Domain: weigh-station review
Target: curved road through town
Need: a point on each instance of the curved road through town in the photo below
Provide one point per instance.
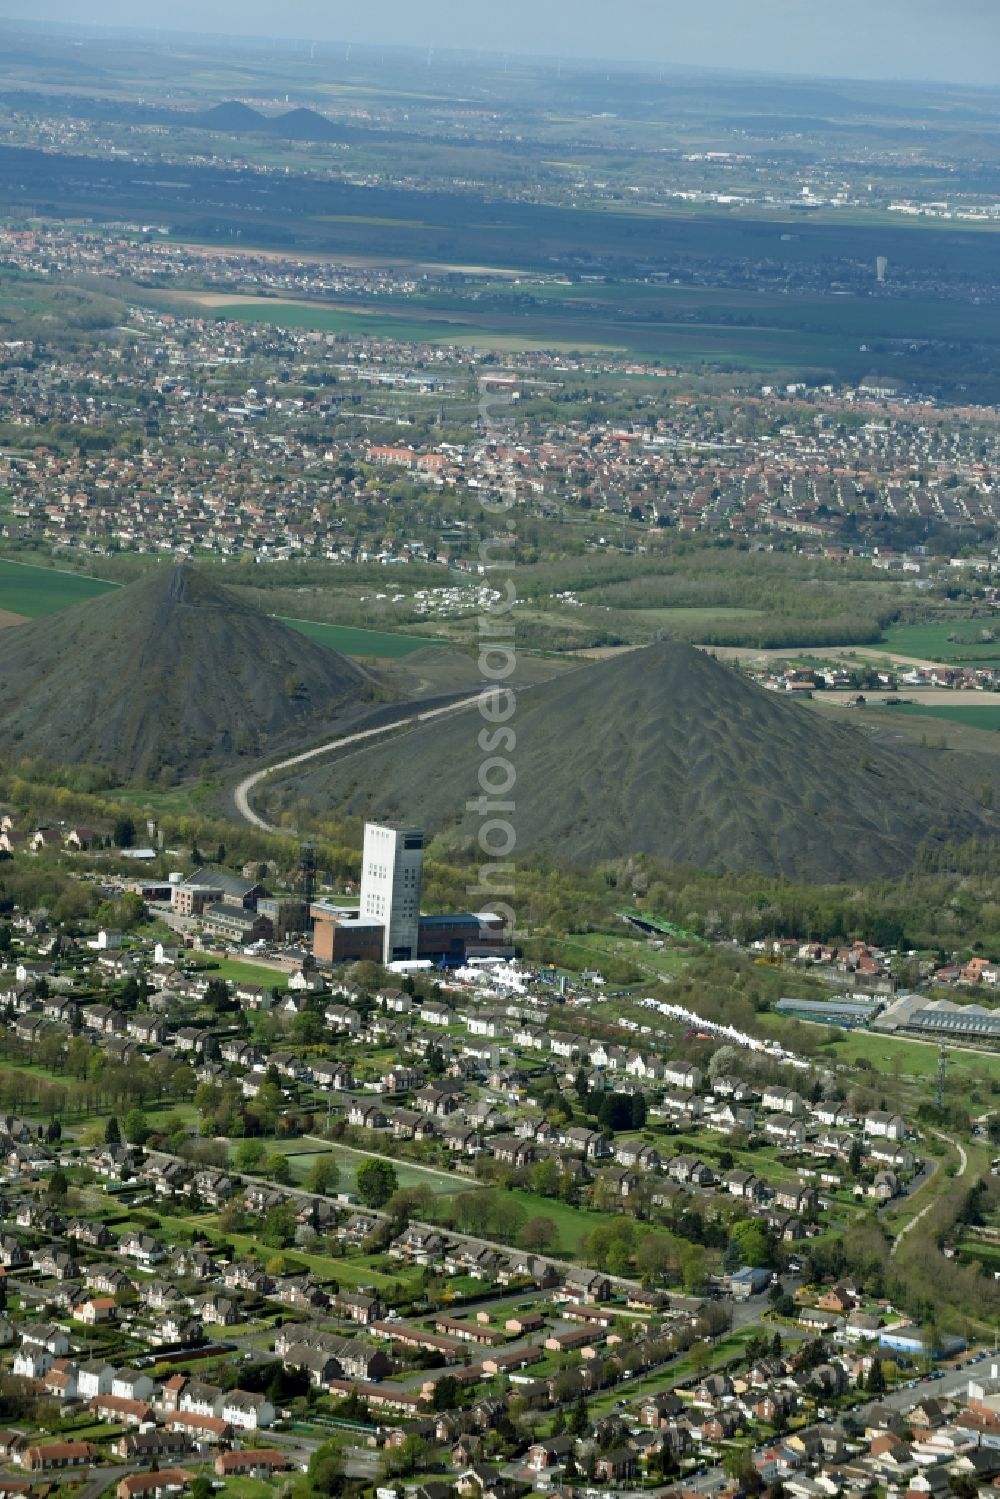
(963, 1162)
(241, 795)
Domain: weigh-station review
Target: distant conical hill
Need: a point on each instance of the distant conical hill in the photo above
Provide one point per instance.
(235, 118)
(667, 752)
(171, 672)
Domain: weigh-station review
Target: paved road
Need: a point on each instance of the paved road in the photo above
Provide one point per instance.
(241, 795)
(101, 1479)
(928, 1167)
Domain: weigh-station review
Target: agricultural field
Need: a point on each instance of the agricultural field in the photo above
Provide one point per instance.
(972, 715)
(376, 644)
(682, 325)
(34, 591)
(399, 323)
(956, 642)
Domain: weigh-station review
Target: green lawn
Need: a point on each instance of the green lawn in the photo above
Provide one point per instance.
(599, 949)
(30, 590)
(246, 973)
(326, 1267)
(675, 1374)
(250, 1488)
(409, 1173)
(982, 1250)
(574, 1224)
(382, 644)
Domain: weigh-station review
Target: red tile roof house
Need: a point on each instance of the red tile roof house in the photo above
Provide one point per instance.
(153, 1485)
(121, 1410)
(52, 1455)
(255, 1462)
(200, 1428)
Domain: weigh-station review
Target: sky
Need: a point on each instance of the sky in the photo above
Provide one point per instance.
(949, 40)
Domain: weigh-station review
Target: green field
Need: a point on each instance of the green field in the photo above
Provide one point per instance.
(931, 642)
(396, 325)
(567, 329)
(592, 949)
(26, 589)
(688, 619)
(679, 325)
(974, 715)
(381, 644)
(913, 1059)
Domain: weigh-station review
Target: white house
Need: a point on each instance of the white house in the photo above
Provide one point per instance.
(94, 1378)
(246, 1411)
(680, 1075)
(32, 1362)
(879, 1124)
(131, 1384)
(783, 1101)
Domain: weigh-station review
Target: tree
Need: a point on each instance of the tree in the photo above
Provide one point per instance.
(749, 1244)
(278, 1230)
(308, 1028)
(876, 1378)
(323, 1176)
(202, 1488)
(579, 1420)
(124, 833)
(726, 1059)
(545, 1178)
(376, 1182)
(402, 1462)
(539, 1234)
(326, 1469)
(693, 1269)
(112, 1133)
(615, 1111)
(277, 1168)
(218, 997)
(58, 1184)
(249, 1154)
(136, 1127)
(737, 1462)
(445, 1396)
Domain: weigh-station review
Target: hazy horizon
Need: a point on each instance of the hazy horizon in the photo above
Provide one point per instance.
(894, 40)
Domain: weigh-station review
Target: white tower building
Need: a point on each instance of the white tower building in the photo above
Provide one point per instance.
(391, 870)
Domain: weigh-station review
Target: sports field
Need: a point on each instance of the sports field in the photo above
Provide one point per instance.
(33, 591)
(303, 1154)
